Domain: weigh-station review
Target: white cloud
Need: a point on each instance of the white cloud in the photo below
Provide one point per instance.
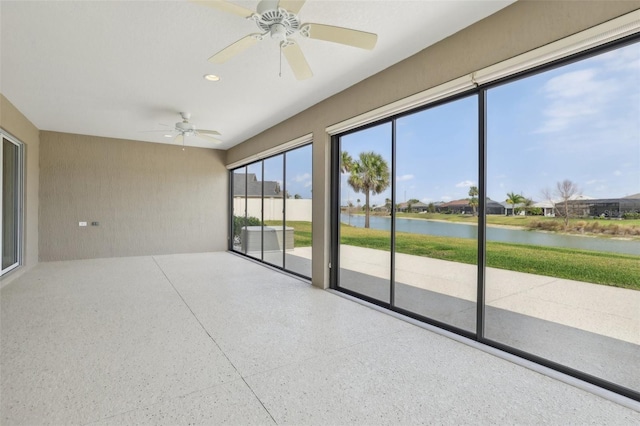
(575, 96)
(302, 178)
(446, 198)
(465, 184)
(617, 173)
(404, 178)
(594, 181)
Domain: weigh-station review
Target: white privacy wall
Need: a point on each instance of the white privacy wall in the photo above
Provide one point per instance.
(297, 210)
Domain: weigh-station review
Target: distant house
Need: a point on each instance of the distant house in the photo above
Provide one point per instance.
(418, 207)
(254, 187)
(605, 207)
(508, 208)
(548, 208)
(456, 207)
(463, 207)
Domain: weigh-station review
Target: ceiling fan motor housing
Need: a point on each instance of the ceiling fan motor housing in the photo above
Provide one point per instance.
(184, 127)
(278, 22)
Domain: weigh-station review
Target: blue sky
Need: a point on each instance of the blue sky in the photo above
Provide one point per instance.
(579, 122)
(298, 171)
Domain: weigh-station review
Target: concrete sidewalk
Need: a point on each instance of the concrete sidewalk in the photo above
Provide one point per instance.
(609, 311)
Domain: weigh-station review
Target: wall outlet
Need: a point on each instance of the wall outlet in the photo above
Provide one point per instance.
(82, 223)
(95, 223)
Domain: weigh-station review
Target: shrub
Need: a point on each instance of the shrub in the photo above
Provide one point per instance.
(240, 221)
(631, 215)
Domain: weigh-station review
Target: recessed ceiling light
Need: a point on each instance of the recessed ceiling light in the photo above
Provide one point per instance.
(211, 77)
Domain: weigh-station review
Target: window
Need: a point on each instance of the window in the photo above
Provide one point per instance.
(509, 213)
(271, 210)
(11, 203)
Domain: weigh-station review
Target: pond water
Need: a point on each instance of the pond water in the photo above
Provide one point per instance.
(517, 236)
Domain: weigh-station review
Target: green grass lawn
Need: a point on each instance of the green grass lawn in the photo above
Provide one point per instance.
(613, 269)
(618, 270)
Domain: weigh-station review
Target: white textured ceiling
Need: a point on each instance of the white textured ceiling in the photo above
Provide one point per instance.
(120, 68)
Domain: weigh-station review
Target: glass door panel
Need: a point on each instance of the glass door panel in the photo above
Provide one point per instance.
(252, 231)
(10, 204)
(436, 213)
(365, 231)
(298, 210)
(563, 155)
(239, 208)
(273, 209)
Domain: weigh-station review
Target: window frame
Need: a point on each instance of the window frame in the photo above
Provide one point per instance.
(435, 97)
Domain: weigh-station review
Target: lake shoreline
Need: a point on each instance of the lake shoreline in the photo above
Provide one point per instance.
(501, 233)
(518, 228)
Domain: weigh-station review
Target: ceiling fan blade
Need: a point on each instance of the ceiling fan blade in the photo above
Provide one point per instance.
(340, 35)
(234, 49)
(208, 138)
(209, 132)
(225, 7)
(297, 61)
(292, 6)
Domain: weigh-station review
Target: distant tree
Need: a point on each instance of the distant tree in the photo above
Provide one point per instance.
(513, 199)
(297, 196)
(387, 203)
(431, 208)
(369, 175)
(473, 201)
(563, 192)
(410, 204)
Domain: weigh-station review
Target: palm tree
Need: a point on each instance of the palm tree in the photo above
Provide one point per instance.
(369, 175)
(345, 162)
(473, 202)
(513, 199)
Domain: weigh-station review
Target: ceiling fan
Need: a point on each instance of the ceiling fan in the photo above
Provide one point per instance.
(280, 21)
(184, 128)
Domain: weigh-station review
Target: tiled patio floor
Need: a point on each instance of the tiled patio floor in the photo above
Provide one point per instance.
(213, 338)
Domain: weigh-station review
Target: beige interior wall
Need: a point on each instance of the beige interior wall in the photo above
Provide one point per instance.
(523, 26)
(16, 124)
(147, 198)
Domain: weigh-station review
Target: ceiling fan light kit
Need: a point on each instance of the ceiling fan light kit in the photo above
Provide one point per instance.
(279, 20)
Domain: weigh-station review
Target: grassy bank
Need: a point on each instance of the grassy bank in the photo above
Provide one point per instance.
(613, 269)
(623, 228)
(618, 270)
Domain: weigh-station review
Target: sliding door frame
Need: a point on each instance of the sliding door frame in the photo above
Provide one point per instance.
(480, 91)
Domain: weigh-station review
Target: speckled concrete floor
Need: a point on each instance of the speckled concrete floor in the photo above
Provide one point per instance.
(213, 338)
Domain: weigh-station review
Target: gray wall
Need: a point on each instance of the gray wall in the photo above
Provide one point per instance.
(516, 29)
(12, 121)
(148, 198)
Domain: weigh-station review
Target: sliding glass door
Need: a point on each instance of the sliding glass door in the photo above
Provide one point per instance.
(270, 210)
(11, 203)
(509, 214)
